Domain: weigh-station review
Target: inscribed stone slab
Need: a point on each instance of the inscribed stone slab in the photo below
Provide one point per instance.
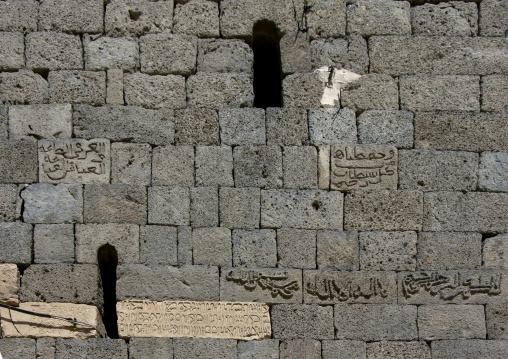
(9, 284)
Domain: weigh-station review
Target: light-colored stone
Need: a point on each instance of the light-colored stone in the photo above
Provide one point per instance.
(19, 15)
(12, 51)
(218, 90)
(493, 21)
(22, 88)
(337, 250)
(378, 17)
(16, 242)
(173, 165)
(53, 51)
(106, 53)
(197, 17)
(371, 92)
(9, 284)
(332, 126)
(76, 86)
(392, 128)
(396, 350)
(493, 171)
(154, 91)
(131, 163)
(388, 251)
(219, 55)
(454, 18)
(197, 126)
(324, 167)
(54, 243)
(212, 246)
(74, 16)
(495, 252)
(214, 166)
(169, 205)
(114, 87)
(494, 93)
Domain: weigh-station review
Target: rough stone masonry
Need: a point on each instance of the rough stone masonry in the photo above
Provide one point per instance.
(134, 166)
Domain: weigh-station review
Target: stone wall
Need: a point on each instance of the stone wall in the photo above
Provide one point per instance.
(376, 229)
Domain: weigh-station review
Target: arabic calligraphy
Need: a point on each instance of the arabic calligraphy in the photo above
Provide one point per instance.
(328, 289)
(274, 283)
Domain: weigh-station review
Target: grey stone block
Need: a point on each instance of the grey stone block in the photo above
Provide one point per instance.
(295, 53)
(77, 87)
(45, 348)
(204, 348)
(493, 21)
(204, 210)
(493, 172)
(131, 163)
(53, 51)
(258, 166)
(158, 245)
(137, 281)
(18, 161)
(332, 126)
(48, 203)
(242, 126)
(150, 348)
(455, 18)
(184, 245)
(303, 90)
(437, 322)
(218, 55)
(239, 207)
(379, 18)
(384, 210)
(371, 92)
(165, 53)
(19, 15)
(173, 165)
(169, 205)
(197, 17)
(12, 51)
(197, 126)
(254, 248)
(217, 90)
(212, 246)
(8, 202)
(302, 321)
(388, 251)
(455, 349)
(375, 322)
(23, 87)
(114, 87)
(115, 203)
(262, 349)
(111, 53)
(393, 128)
(327, 19)
(154, 91)
(72, 16)
(472, 211)
(344, 349)
(494, 93)
(214, 166)
(300, 167)
(286, 126)
(394, 350)
(497, 321)
(338, 250)
(99, 348)
(16, 243)
(4, 127)
(300, 349)
(495, 252)
(124, 123)
(128, 17)
(91, 237)
(54, 243)
(73, 283)
(40, 121)
(449, 250)
(19, 348)
(296, 248)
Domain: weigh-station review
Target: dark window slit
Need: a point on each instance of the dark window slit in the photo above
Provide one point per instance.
(107, 258)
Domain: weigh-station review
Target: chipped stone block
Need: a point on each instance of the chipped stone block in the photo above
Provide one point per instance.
(300, 167)
(45, 348)
(453, 18)
(115, 203)
(217, 90)
(212, 246)
(379, 18)
(12, 51)
(19, 348)
(266, 349)
(371, 92)
(54, 243)
(493, 21)
(239, 207)
(19, 325)
(497, 321)
(169, 205)
(74, 16)
(40, 121)
(258, 166)
(455, 349)
(394, 350)
(332, 126)
(135, 18)
(449, 250)
(99, 348)
(197, 17)
(91, 237)
(493, 172)
(342, 349)
(16, 243)
(219, 55)
(111, 53)
(23, 88)
(295, 53)
(148, 348)
(158, 245)
(53, 51)
(254, 248)
(77, 87)
(300, 349)
(204, 348)
(18, 161)
(204, 210)
(166, 53)
(494, 93)
(131, 163)
(16, 15)
(154, 91)
(242, 126)
(173, 165)
(392, 128)
(114, 87)
(303, 90)
(495, 252)
(214, 166)
(337, 250)
(302, 321)
(8, 202)
(286, 126)
(162, 282)
(388, 250)
(184, 245)
(9, 284)
(296, 248)
(327, 19)
(197, 126)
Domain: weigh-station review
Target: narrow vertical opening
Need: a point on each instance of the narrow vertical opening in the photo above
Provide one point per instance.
(267, 65)
(108, 261)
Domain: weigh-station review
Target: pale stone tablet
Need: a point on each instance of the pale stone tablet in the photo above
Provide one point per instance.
(9, 284)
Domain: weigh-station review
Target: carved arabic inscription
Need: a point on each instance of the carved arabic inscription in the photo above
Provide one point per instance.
(277, 283)
(179, 319)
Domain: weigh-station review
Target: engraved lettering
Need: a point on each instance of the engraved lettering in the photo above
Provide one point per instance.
(274, 283)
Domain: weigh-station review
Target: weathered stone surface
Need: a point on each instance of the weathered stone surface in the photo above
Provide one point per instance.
(453, 18)
(495, 252)
(324, 167)
(384, 210)
(162, 282)
(394, 350)
(165, 53)
(295, 53)
(150, 348)
(337, 250)
(158, 245)
(173, 165)
(268, 285)
(449, 250)
(168, 205)
(493, 21)
(154, 91)
(332, 126)
(218, 55)
(472, 211)
(371, 92)
(197, 17)
(8, 202)
(184, 245)
(4, 118)
(77, 87)
(217, 90)
(301, 321)
(300, 167)
(197, 126)
(75, 16)
(286, 126)
(18, 161)
(9, 284)
(131, 163)
(214, 166)
(114, 87)
(303, 90)
(53, 51)
(54, 243)
(91, 348)
(128, 17)
(18, 15)
(72, 283)
(497, 321)
(111, 53)
(494, 93)
(16, 242)
(204, 348)
(12, 51)
(493, 171)
(437, 322)
(305, 209)
(21, 325)
(242, 126)
(266, 349)
(300, 349)
(258, 166)
(388, 251)
(23, 87)
(455, 349)
(296, 248)
(19, 348)
(254, 248)
(224, 320)
(212, 246)
(239, 207)
(392, 128)
(342, 349)
(204, 210)
(45, 348)
(70, 160)
(326, 19)
(378, 18)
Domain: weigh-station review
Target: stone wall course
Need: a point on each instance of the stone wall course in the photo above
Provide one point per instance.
(40, 121)
(493, 20)
(342, 349)
(12, 51)
(286, 126)
(197, 17)
(385, 127)
(18, 161)
(72, 16)
(4, 122)
(493, 171)
(371, 92)
(338, 250)
(150, 348)
(100, 348)
(455, 349)
(131, 163)
(296, 248)
(169, 205)
(212, 246)
(267, 349)
(204, 348)
(242, 126)
(303, 90)
(259, 166)
(53, 51)
(239, 207)
(300, 349)
(494, 93)
(495, 252)
(77, 87)
(23, 87)
(332, 126)
(393, 350)
(16, 241)
(105, 53)
(19, 348)
(378, 18)
(197, 126)
(302, 321)
(9, 284)
(295, 53)
(54, 243)
(154, 91)
(220, 55)
(19, 15)
(204, 210)
(388, 250)
(254, 248)
(173, 166)
(454, 18)
(8, 202)
(158, 245)
(300, 167)
(497, 321)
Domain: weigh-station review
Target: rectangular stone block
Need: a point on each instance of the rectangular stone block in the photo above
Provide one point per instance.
(19, 15)
(301, 321)
(220, 55)
(305, 209)
(8, 203)
(392, 350)
(185, 245)
(391, 128)
(198, 17)
(212, 246)
(73, 160)
(214, 166)
(169, 205)
(162, 282)
(338, 250)
(98, 348)
(453, 287)
(268, 349)
(4, 118)
(239, 207)
(497, 321)
(324, 167)
(258, 166)
(204, 347)
(19, 348)
(455, 18)
(77, 87)
(326, 19)
(495, 93)
(303, 90)
(223, 320)
(16, 242)
(114, 87)
(455, 349)
(217, 90)
(296, 248)
(18, 161)
(54, 243)
(269, 285)
(342, 349)
(12, 51)
(300, 349)
(23, 88)
(388, 251)
(106, 53)
(383, 210)
(9, 284)
(144, 348)
(371, 92)
(495, 253)
(197, 126)
(332, 126)
(46, 348)
(74, 16)
(242, 126)
(19, 325)
(204, 210)
(40, 121)
(364, 167)
(158, 245)
(53, 51)
(154, 91)
(295, 53)
(131, 163)
(493, 21)
(378, 18)
(331, 287)
(254, 248)
(173, 166)
(286, 126)
(300, 167)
